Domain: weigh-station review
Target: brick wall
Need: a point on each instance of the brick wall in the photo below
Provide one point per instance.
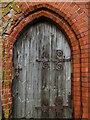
(72, 19)
(89, 54)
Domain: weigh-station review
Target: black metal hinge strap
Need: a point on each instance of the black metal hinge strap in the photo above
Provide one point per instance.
(54, 60)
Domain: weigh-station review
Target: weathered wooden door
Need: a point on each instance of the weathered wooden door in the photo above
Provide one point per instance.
(41, 86)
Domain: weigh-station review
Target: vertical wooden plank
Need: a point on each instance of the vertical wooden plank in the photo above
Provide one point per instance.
(16, 84)
(29, 89)
(39, 65)
(20, 88)
(21, 78)
(17, 78)
(68, 77)
(35, 80)
(34, 72)
(53, 88)
(45, 72)
(24, 75)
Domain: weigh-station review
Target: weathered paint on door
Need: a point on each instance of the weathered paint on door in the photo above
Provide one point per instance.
(41, 86)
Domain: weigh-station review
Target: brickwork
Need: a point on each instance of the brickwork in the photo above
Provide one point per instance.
(89, 54)
(72, 19)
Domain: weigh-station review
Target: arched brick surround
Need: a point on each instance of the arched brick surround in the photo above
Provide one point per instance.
(77, 38)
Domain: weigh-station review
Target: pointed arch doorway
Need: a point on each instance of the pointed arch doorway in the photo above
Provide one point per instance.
(41, 87)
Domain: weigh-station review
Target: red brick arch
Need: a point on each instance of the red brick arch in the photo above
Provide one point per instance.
(68, 31)
(71, 31)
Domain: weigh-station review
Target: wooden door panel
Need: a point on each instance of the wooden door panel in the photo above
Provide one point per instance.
(38, 83)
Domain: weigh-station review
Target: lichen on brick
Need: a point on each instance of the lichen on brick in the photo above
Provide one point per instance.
(4, 77)
(9, 13)
(15, 7)
(5, 11)
(6, 113)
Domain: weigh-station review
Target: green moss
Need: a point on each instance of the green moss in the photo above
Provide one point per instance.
(0, 5)
(4, 76)
(6, 113)
(7, 3)
(18, 6)
(4, 101)
(3, 58)
(3, 29)
(11, 19)
(13, 5)
(5, 11)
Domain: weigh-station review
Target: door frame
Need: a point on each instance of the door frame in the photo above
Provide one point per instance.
(58, 19)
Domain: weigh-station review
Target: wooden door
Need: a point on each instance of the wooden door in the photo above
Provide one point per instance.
(41, 86)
